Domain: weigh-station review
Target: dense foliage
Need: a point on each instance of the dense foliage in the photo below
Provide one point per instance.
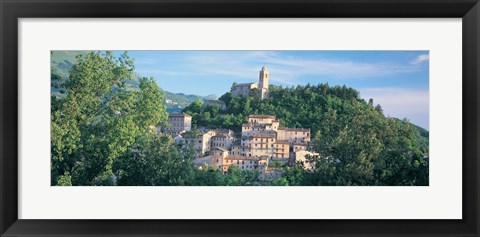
(99, 120)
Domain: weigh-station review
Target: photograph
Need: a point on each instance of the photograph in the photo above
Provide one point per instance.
(239, 118)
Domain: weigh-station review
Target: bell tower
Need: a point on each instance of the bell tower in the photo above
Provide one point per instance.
(263, 85)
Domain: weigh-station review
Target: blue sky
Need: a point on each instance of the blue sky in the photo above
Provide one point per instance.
(397, 80)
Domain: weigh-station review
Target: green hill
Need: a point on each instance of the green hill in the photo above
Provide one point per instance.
(357, 144)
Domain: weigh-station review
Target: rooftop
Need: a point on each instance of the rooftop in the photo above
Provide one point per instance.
(231, 157)
(261, 135)
(219, 136)
(179, 115)
(219, 148)
(239, 157)
(296, 129)
(261, 116)
(223, 130)
(245, 84)
(257, 125)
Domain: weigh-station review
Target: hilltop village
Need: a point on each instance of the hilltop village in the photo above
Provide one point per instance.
(262, 144)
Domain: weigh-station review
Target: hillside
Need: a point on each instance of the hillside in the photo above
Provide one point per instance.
(63, 61)
(357, 144)
(322, 108)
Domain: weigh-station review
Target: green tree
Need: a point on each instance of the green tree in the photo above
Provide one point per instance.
(156, 161)
(99, 119)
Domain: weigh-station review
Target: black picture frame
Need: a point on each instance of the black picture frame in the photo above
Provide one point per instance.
(12, 10)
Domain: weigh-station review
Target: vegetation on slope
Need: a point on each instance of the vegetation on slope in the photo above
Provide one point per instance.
(357, 144)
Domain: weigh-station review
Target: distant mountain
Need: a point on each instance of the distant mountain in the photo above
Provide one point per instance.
(179, 100)
(211, 97)
(63, 61)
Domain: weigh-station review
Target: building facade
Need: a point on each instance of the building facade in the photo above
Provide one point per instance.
(201, 141)
(294, 135)
(261, 141)
(244, 89)
(178, 123)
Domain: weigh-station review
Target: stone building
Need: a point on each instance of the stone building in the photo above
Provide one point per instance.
(244, 89)
(294, 135)
(223, 141)
(263, 85)
(281, 150)
(221, 159)
(178, 123)
(201, 141)
(260, 124)
(262, 141)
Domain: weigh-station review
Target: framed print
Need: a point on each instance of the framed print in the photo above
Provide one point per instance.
(319, 118)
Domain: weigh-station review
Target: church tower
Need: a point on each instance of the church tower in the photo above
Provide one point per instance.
(263, 85)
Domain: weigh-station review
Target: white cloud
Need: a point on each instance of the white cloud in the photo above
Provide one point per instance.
(420, 59)
(412, 104)
(245, 65)
(156, 72)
